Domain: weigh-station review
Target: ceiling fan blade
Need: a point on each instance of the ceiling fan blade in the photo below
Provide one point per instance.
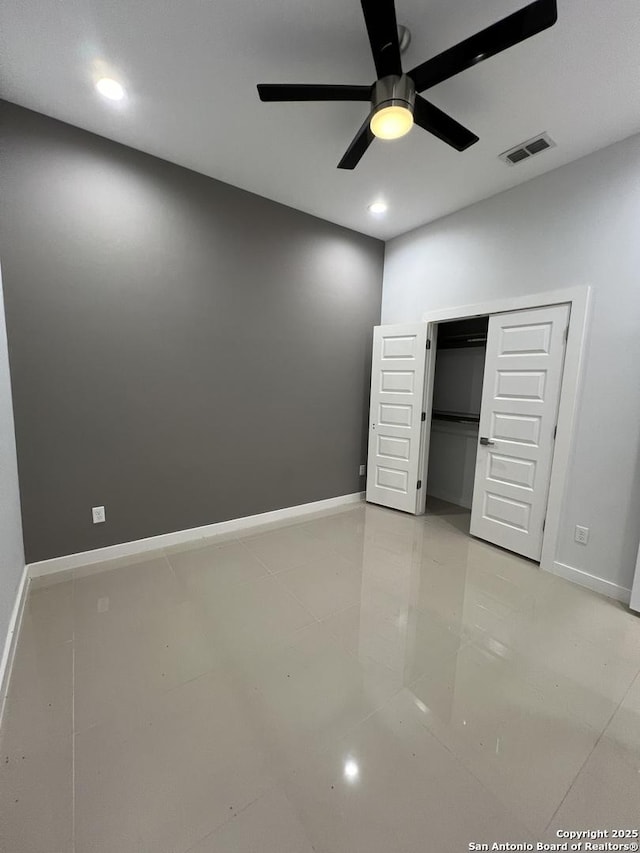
(382, 28)
(361, 141)
(511, 30)
(433, 120)
(312, 92)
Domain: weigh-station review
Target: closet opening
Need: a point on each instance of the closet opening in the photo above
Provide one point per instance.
(493, 433)
(460, 353)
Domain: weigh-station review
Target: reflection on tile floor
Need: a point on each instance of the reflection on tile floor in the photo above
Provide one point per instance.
(359, 681)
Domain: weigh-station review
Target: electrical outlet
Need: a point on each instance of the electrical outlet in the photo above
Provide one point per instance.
(97, 512)
(363, 470)
(582, 534)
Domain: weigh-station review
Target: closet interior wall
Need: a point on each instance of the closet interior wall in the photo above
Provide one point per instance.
(457, 394)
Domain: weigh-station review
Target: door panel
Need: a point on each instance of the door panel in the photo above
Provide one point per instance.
(395, 424)
(520, 396)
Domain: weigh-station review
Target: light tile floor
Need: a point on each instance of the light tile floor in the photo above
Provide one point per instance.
(361, 681)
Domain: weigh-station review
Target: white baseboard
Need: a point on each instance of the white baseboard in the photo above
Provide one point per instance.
(9, 649)
(605, 587)
(165, 540)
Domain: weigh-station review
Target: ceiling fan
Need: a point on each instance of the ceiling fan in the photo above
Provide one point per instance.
(395, 104)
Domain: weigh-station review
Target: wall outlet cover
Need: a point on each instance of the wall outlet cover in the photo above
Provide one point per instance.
(98, 514)
(582, 534)
(363, 470)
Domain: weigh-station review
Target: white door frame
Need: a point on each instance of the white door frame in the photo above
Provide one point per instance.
(580, 300)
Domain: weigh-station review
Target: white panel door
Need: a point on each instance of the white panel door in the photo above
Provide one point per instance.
(396, 434)
(520, 396)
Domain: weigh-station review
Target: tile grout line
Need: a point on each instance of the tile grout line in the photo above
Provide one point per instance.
(244, 545)
(258, 559)
(269, 574)
(317, 619)
(232, 818)
(274, 575)
(296, 599)
(593, 749)
(171, 569)
(280, 571)
(462, 763)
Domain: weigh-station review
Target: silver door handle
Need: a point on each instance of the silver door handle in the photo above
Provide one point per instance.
(485, 441)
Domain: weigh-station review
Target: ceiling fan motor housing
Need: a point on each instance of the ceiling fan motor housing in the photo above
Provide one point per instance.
(394, 91)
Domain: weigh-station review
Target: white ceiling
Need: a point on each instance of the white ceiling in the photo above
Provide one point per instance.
(191, 68)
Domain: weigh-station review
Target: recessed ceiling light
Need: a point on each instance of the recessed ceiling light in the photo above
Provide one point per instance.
(377, 208)
(351, 770)
(110, 88)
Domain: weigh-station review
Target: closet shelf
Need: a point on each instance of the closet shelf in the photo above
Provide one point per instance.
(463, 341)
(471, 332)
(457, 417)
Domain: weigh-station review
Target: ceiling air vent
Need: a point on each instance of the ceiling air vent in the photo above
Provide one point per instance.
(527, 149)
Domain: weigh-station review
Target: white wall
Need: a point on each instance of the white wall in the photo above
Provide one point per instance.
(11, 549)
(577, 225)
(457, 387)
(453, 448)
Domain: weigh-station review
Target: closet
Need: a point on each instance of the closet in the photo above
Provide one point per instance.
(457, 395)
(466, 410)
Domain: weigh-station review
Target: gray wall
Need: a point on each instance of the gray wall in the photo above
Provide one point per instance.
(577, 225)
(181, 351)
(11, 550)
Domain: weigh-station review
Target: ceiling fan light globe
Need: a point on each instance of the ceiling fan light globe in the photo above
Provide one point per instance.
(391, 122)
